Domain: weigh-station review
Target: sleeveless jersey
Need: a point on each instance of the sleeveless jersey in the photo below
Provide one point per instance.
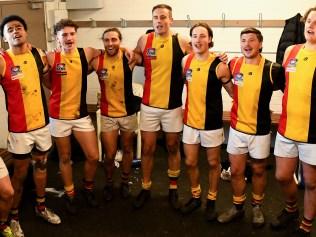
(253, 87)
(25, 98)
(69, 86)
(204, 105)
(115, 78)
(298, 116)
(163, 74)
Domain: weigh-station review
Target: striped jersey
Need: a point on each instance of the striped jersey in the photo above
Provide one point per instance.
(163, 74)
(69, 85)
(115, 78)
(203, 105)
(253, 87)
(298, 116)
(21, 83)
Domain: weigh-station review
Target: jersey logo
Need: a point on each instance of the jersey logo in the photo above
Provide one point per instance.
(151, 53)
(188, 75)
(239, 79)
(103, 74)
(61, 69)
(291, 67)
(16, 73)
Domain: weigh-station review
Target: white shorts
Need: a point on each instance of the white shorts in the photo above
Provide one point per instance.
(128, 123)
(23, 143)
(3, 169)
(207, 138)
(151, 118)
(291, 149)
(258, 146)
(64, 128)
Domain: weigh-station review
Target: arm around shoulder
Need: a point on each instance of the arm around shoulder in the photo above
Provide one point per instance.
(91, 53)
(185, 44)
(224, 75)
(138, 51)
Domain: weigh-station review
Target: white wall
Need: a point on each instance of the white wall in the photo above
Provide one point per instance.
(226, 39)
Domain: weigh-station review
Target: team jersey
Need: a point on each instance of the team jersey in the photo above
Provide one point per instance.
(115, 78)
(253, 87)
(69, 85)
(163, 74)
(298, 116)
(21, 83)
(203, 105)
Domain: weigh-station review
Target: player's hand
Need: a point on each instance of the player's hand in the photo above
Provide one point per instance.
(223, 57)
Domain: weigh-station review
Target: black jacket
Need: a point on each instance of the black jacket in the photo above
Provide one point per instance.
(293, 33)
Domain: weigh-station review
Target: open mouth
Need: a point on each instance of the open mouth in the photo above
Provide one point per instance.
(198, 46)
(69, 44)
(247, 50)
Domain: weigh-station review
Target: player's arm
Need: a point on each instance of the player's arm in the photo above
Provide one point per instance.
(185, 44)
(138, 51)
(278, 77)
(223, 57)
(2, 68)
(184, 91)
(223, 74)
(45, 77)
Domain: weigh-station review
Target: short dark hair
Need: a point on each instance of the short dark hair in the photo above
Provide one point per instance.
(12, 18)
(113, 29)
(64, 23)
(253, 30)
(307, 13)
(162, 6)
(207, 27)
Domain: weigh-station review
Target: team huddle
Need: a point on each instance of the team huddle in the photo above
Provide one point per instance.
(174, 65)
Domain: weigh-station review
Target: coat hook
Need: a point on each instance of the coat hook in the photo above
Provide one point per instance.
(123, 23)
(189, 24)
(259, 23)
(223, 20)
(93, 23)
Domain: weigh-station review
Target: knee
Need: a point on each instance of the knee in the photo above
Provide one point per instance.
(7, 193)
(65, 159)
(214, 164)
(109, 159)
(191, 163)
(260, 172)
(41, 165)
(236, 171)
(127, 150)
(283, 178)
(310, 184)
(109, 155)
(148, 150)
(20, 174)
(173, 147)
(93, 157)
